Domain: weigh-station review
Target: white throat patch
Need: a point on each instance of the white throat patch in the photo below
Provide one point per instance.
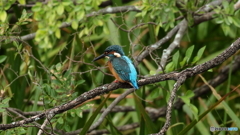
(117, 54)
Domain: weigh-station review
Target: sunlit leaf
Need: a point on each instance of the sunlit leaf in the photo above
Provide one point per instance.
(23, 2)
(60, 9)
(3, 16)
(37, 7)
(74, 24)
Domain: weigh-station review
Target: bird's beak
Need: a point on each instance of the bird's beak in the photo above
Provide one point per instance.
(99, 57)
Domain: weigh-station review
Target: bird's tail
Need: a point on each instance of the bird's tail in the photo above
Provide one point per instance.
(134, 84)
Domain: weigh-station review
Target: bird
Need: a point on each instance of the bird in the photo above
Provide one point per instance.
(120, 65)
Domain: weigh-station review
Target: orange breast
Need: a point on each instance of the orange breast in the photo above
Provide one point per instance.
(114, 72)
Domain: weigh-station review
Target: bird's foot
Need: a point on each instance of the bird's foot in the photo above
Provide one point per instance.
(116, 81)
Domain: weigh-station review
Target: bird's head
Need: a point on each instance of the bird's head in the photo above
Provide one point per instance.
(111, 52)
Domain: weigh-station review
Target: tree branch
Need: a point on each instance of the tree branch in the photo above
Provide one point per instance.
(113, 86)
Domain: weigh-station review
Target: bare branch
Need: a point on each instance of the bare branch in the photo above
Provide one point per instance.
(156, 45)
(176, 43)
(210, 6)
(47, 120)
(237, 5)
(170, 104)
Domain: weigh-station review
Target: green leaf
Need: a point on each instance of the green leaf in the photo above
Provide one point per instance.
(67, 128)
(199, 54)
(67, 73)
(157, 28)
(170, 67)
(99, 23)
(191, 110)
(210, 70)
(186, 98)
(79, 112)
(230, 19)
(74, 24)
(59, 67)
(226, 5)
(37, 7)
(189, 53)
(72, 113)
(2, 110)
(175, 59)
(182, 63)
(40, 34)
(23, 2)
(60, 120)
(6, 100)
(60, 90)
(236, 21)
(152, 72)
(99, 30)
(3, 16)
(24, 14)
(190, 19)
(21, 131)
(194, 111)
(80, 15)
(58, 33)
(2, 58)
(218, 20)
(7, 4)
(80, 82)
(66, 2)
(189, 94)
(60, 9)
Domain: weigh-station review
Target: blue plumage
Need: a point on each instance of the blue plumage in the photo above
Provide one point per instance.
(120, 65)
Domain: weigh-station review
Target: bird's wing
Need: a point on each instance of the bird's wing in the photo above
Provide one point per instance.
(121, 66)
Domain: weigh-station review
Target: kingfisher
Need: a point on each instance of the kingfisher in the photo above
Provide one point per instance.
(120, 65)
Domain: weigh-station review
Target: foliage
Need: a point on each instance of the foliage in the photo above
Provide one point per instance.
(56, 66)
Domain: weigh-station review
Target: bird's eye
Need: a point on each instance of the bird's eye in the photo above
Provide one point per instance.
(105, 52)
